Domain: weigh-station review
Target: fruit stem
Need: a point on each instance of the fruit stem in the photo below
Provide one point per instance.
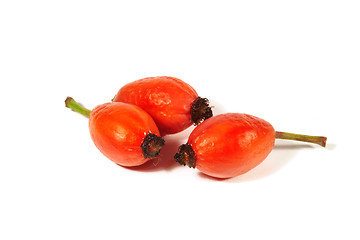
(303, 138)
(75, 106)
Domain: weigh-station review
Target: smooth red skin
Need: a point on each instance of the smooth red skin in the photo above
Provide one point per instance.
(118, 130)
(231, 144)
(167, 99)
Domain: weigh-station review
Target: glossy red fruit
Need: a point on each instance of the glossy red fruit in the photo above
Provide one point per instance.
(124, 133)
(173, 104)
(228, 145)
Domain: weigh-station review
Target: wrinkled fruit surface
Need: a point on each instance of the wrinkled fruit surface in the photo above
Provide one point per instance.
(167, 99)
(231, 144)
(119, 130)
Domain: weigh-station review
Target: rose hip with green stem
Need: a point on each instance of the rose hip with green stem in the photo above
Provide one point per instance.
(124, 133)
(231, 144)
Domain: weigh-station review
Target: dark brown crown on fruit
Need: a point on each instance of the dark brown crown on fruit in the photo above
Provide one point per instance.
(186, 156)
(200, 110)
(152, 145)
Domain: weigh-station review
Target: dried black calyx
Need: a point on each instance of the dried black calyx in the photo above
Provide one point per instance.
(186, 156)
(200, 110)
(152, 145)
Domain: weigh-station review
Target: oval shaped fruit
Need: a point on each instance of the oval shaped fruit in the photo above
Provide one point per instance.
(124, 133)
(227, 145)
(173, 104)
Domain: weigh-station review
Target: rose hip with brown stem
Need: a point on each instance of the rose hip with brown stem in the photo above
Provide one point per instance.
(231, 144)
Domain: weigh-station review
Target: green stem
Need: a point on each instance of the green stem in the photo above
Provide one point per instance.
(303, 138)
(75, 106)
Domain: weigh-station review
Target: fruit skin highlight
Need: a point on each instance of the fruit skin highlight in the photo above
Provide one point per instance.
(124, 133)
(173, 104)
(231, 144)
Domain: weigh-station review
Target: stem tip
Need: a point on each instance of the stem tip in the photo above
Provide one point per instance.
(77, 107)
(320, 140)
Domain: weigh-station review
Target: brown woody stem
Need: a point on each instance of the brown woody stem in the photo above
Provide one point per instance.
(303, 138)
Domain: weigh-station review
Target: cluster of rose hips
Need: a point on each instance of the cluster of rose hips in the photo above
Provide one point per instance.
(129, 129)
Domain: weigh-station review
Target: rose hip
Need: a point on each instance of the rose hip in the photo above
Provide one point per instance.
(173, 104)
(124, 133)
(231, 144)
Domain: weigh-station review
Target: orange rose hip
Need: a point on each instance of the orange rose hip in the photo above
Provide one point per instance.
(232, 144)
(124, 133)
(173, 104)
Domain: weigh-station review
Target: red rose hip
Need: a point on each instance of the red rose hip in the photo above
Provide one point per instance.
(173, 104)
(231, 144)
(124, 133)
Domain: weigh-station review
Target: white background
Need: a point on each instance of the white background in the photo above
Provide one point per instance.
(293, 63)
